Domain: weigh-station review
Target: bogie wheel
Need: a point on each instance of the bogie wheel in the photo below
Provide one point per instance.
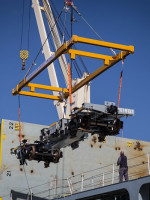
(57, 155)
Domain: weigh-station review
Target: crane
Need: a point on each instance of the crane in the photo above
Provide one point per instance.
(81, 116)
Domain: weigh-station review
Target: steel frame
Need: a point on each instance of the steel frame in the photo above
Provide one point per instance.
(33, 86)
(109, 61)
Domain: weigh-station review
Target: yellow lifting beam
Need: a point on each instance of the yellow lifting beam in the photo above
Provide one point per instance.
(32, 93)
(39, 95)
(103, 43)
(109, 61)
(107, 65)
(32, 87)
(74, 52)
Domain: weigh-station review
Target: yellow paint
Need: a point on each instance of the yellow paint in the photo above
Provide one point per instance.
(1, 142)
(100, 70)
(129, 144)
(15, 148)
(103, 44)
(0, 198)
(104, 140)
(39, 95)
(74, 52)
(24, 54)
(65, 48)
(46, 87)
(32, 92)
(16, 126)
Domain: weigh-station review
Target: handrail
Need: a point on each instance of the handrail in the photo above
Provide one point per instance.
(90, 180)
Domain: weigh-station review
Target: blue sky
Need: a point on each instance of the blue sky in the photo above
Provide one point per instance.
(125, 22)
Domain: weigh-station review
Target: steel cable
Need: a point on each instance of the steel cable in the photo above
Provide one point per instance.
(20, 145)
(56, 40)
(68, 36)
(113, 52)
(29, 25)
(33, 63)
(22, 25)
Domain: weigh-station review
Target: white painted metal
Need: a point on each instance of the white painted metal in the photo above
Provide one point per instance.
(54, 187)
(11, 197)
(113, 173)
(82, 95)
(92, 182)
(148, 163)
(82, 181)
(47, 53)
(69, 185)
(103, 179)
(31, 193)
(56, 38)
(89, 156)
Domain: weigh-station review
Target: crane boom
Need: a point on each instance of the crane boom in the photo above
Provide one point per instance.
(56, 38)
(47, 53)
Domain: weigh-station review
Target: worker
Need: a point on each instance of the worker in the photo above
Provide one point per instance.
(123, 167)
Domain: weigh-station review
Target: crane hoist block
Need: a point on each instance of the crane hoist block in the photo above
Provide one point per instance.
(24, 54)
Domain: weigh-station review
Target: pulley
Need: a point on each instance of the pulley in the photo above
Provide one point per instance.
(68, 2)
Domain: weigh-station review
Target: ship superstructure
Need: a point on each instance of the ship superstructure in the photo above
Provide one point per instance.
(92, 165)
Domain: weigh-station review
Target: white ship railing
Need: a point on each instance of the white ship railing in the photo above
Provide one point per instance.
(95, 178)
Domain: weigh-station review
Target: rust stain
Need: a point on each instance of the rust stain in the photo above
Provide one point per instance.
(141, 174)
(22, 135)
(13, 141)
(32, 171)
(72, 173)
(138, 146)
(100, 146)
(21, 169)
(117, 148)
(139, 161)
(91, 145)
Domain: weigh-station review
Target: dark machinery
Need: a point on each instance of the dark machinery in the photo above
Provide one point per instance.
(102, 120)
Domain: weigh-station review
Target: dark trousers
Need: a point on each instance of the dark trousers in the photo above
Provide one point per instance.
(123, 172)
